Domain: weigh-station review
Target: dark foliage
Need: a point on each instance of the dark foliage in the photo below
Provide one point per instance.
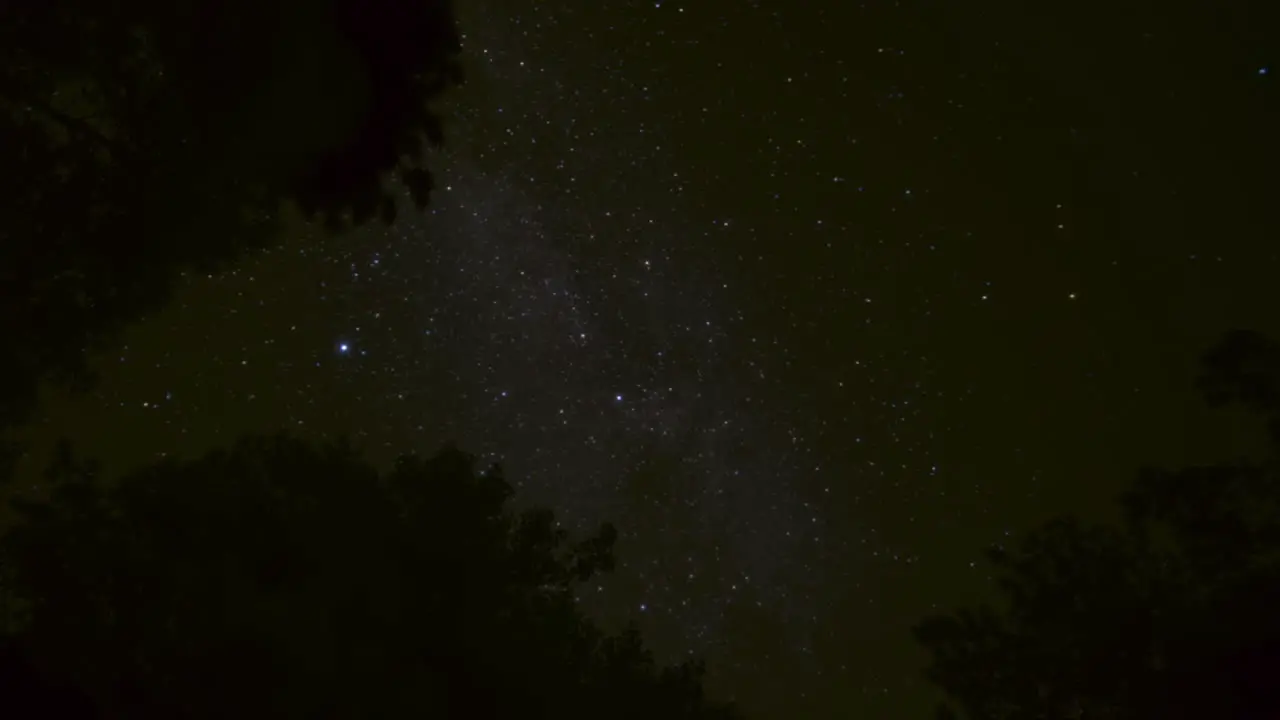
(1244, 368)
(28, 693)
(1171, 615)
(280, 579)
(143, 138)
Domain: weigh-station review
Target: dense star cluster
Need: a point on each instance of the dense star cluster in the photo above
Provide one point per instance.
(814, 302)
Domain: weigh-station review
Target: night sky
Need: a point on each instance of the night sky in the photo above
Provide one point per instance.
(813, 299)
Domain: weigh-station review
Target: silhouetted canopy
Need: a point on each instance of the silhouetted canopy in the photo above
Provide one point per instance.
(1171, 615)
(281, 579)
(145, 137)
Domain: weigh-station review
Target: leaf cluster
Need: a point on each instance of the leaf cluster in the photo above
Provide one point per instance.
(145, 139)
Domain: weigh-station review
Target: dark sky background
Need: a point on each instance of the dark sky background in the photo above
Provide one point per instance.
(813, 299)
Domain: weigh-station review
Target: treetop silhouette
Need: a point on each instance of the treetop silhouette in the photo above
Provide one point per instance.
(298, 581)
(1169, 615)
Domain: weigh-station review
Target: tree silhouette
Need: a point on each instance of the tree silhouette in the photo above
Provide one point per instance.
(148, 137)
(1170, 615)
(283, 579)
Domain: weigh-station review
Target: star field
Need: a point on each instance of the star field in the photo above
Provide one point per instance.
(813, 301)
